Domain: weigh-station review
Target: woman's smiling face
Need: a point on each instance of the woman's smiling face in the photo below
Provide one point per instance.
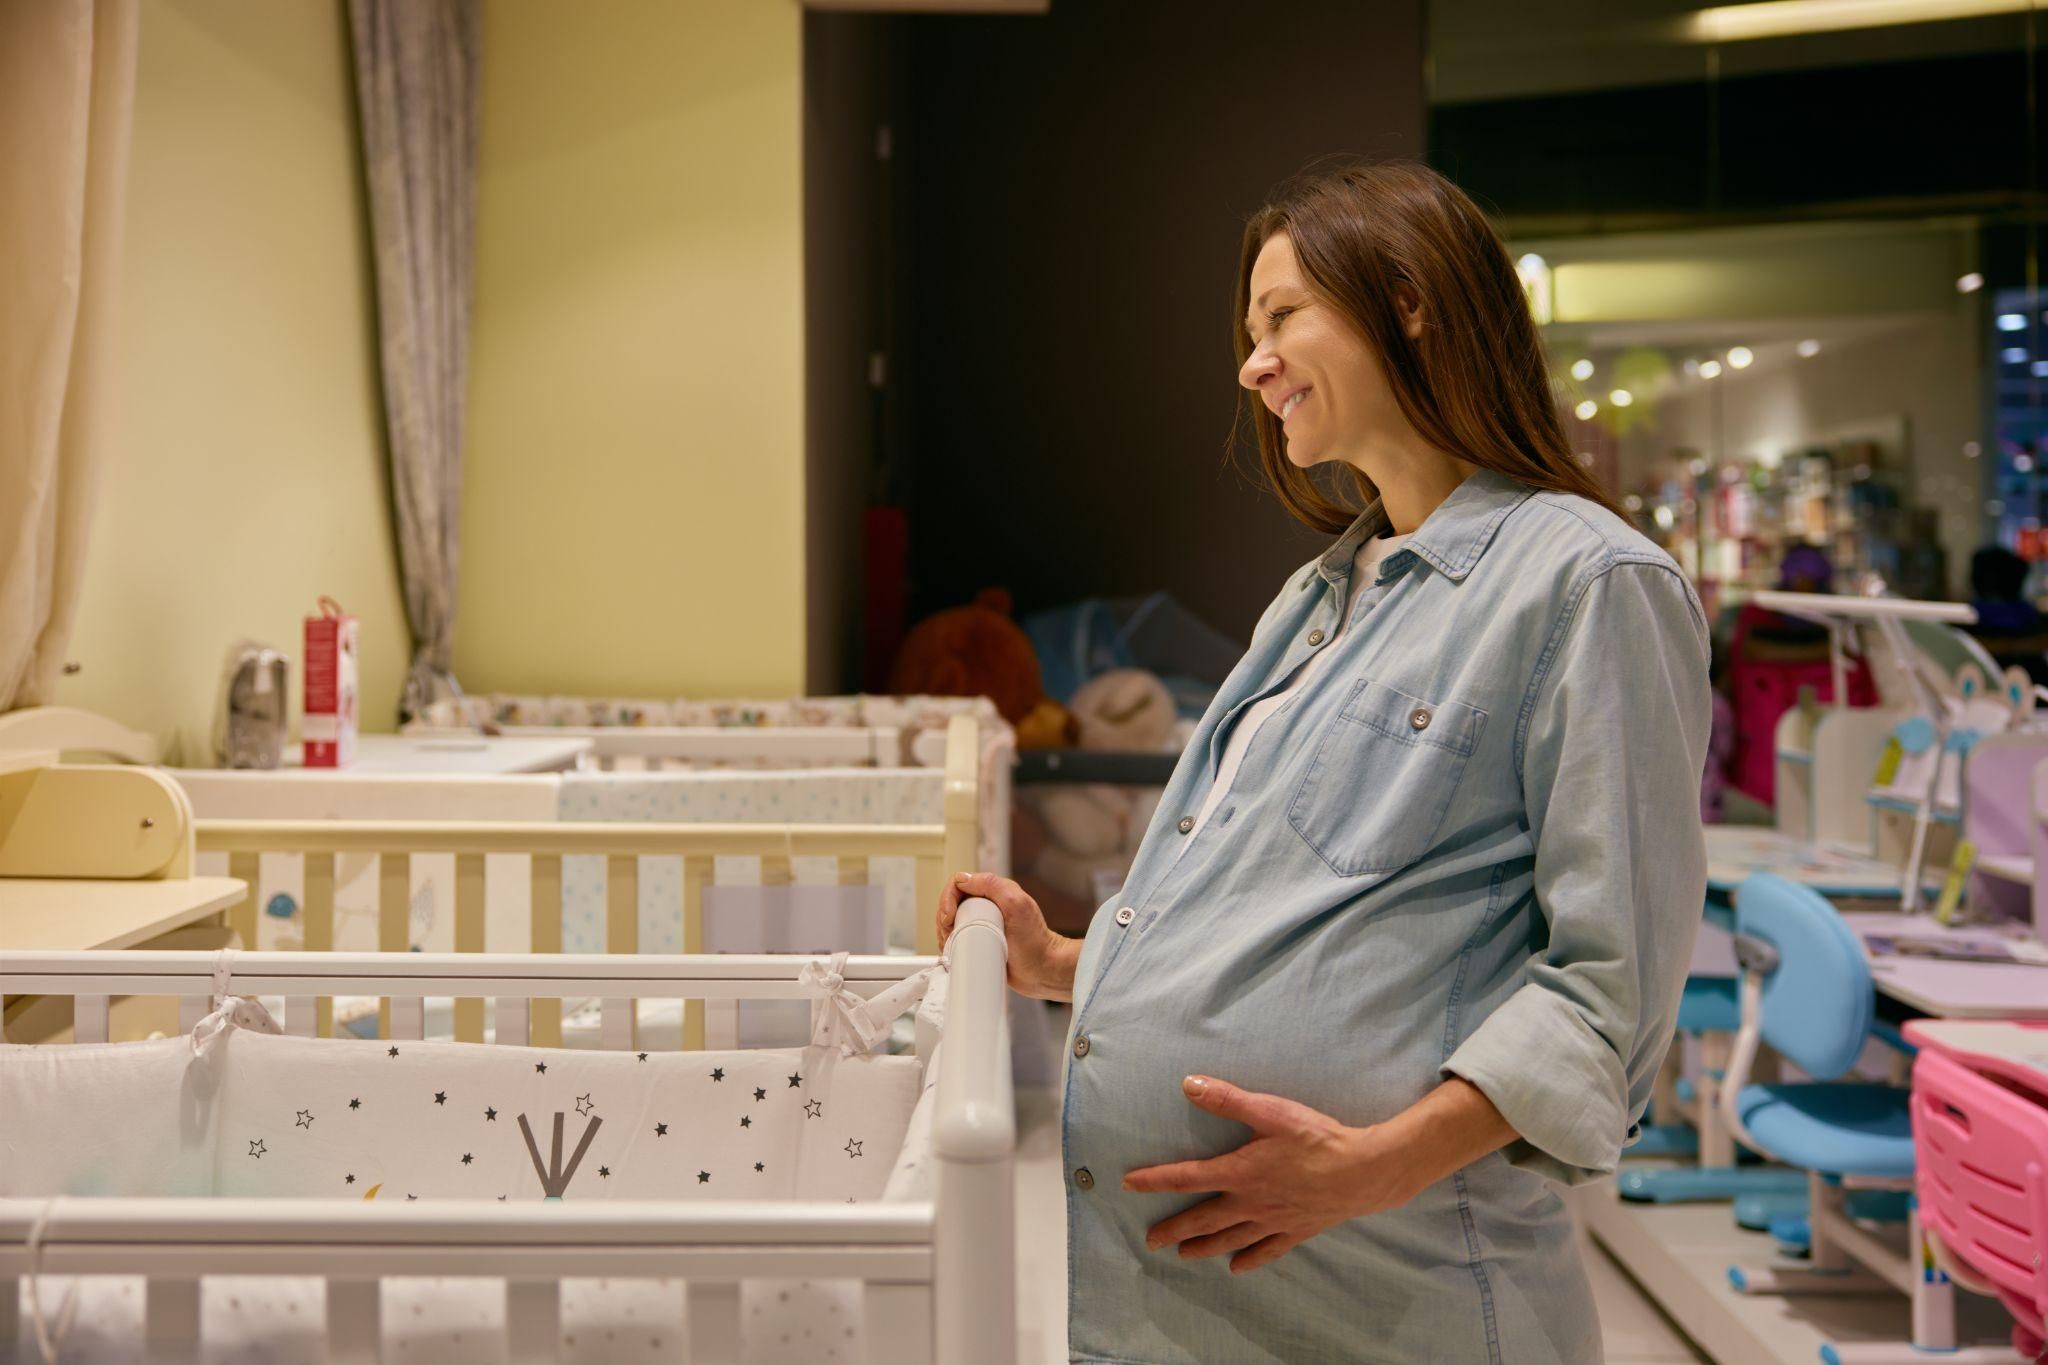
(1312, 367)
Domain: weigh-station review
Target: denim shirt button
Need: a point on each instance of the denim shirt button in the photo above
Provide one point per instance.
(1084, 1179)
(1420, 719)
(1187, 824)
(1316, 637)
(1125, 916)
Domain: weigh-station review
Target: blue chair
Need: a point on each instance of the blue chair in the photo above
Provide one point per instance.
(1708, 1008)
(1807, 991)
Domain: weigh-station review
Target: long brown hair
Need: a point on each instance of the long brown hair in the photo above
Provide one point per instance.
(1475, 384)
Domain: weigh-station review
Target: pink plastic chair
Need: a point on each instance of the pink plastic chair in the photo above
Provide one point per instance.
(1980, 1133)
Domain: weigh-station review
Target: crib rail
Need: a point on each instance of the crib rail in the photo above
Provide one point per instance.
(657, 747)
(394, 843)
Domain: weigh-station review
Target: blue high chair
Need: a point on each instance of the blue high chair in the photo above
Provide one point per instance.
(1807, 991)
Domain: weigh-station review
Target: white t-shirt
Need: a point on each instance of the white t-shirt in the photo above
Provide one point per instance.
(1364, 569)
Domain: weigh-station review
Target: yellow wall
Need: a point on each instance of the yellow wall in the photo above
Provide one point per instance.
(247, 475)
(633, 516)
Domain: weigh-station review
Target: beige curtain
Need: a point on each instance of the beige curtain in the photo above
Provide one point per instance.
(416, 86)
(67, 89)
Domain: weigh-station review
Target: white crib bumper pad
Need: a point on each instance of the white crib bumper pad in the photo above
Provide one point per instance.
(239, 1110)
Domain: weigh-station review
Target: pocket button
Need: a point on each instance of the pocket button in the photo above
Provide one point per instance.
(1419, 718)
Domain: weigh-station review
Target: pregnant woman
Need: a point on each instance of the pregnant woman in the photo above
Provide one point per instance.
(1404, 942)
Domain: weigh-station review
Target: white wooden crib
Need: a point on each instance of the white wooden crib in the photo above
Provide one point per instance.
(240, 833)
(936, 1269)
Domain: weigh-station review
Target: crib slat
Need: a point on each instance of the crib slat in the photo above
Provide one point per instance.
(621, 935)
(317, 920)
(355, 1333)
(853, 871)
(622, 903)
(898, 1320)
(302, 1016)
(533, 1320)
(931, 881)
(89, 1018)
(469, 938)
(712, 1315)
(546, 900)
(408, 1017)
(394, 918)
(696, 876)
(777, 872)
(247, 869)
(10, 1316)
(510, 1023)
(170, 1321)
(617, 1022)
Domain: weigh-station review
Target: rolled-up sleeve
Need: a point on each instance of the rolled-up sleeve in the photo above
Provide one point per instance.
(1615, 728)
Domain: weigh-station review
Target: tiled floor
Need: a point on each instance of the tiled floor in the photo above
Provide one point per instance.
(1636, 1332)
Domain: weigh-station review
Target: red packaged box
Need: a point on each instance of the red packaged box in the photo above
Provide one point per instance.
(329, 724)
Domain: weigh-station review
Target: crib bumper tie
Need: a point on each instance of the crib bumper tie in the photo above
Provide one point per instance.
(841, 1018)
(229, 1011)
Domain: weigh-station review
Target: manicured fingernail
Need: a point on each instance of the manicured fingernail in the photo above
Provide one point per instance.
(1195, 1085)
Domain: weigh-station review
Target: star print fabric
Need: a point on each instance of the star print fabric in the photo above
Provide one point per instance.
(275, 1116)
(595, 1125)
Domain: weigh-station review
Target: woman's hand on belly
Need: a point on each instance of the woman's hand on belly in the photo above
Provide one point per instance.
(1303, 1172)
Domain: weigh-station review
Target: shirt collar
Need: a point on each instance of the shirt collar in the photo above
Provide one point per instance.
(1451, 538)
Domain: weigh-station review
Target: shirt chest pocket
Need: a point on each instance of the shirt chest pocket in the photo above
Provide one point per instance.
(1384, 772)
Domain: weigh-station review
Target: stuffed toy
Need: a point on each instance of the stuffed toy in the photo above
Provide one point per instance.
(978, 651)
(1089, 829)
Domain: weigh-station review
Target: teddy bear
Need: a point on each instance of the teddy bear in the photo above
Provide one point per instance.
(1082, 835)
(978, 651)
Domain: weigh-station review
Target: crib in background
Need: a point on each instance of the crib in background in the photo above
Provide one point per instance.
(936, 1270)
(649, 734)
(935, 851)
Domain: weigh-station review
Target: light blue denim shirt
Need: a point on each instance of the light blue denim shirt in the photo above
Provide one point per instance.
(1469, 846)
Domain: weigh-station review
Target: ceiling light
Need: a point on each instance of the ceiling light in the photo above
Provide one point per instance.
(1582, 369)
(1710, 369)
(1808, 349)
(1621, 398)
(1587, 410)
(2014, 355)
(1788, 18)
(1663, 517)
(2023, 464)
(2011, 322)
(1691, 367)
(2040, 369)
(1739, 357)
(1970, 283)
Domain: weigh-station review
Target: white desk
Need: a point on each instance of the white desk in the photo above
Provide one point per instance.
(63, 915)
(1735, 851)
(2008, 1046)
(1953, 990)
